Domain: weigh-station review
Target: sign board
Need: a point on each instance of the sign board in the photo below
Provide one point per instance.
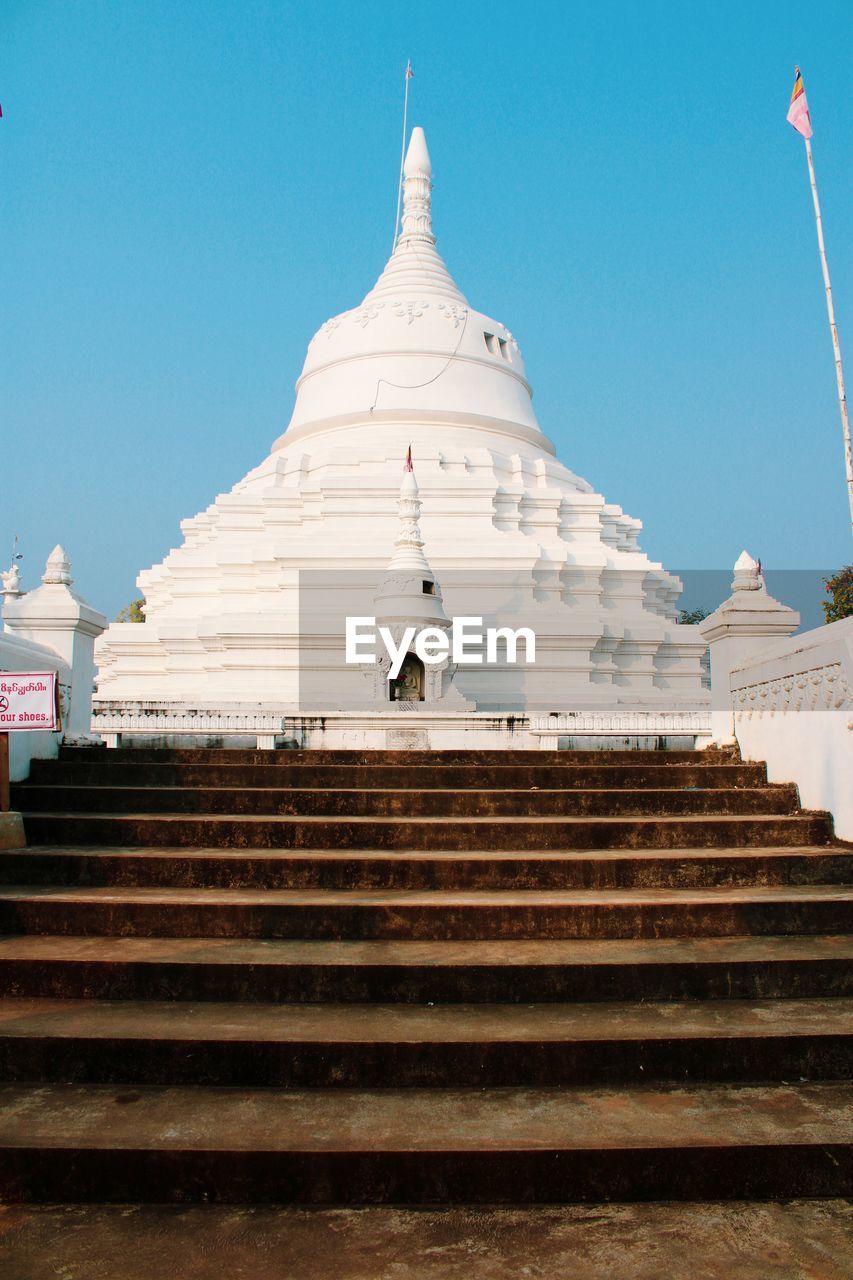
(28, 700)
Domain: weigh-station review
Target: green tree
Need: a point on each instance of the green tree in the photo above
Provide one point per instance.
(840, 588)
(689, 617)
(133, 612)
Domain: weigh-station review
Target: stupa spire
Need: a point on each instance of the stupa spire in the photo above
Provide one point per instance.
(417, 190)
(415, 269)
(408, 592)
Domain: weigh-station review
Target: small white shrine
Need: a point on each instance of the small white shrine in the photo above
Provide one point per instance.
(244, 622)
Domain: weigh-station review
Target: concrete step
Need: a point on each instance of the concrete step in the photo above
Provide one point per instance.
(279, 970)
(367, 869)
(78, 1143)
(704, 1240)
(236, 755)
(106, 771)
(507, 833)
(405, 802)
(392, 1045)
(424, 914)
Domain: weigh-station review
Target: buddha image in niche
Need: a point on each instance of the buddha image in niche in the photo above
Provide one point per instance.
(409, 685)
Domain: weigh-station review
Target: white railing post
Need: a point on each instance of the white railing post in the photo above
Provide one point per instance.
(744, 626)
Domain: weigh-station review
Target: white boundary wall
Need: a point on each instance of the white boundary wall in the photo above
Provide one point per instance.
(793, 707)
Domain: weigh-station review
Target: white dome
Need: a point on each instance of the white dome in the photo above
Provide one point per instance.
(414, 347)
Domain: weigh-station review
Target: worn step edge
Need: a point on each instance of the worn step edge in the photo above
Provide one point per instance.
(606, 897)
(394, 1024)
(377, 874)
(389, 869)
(36, 788)
(601, 913)
(67, 772)
(521, 971)
(381, 1045)
(616, 953)
(433, 832)
(415, 804)
(83, 1143)
(690, 853)
(216, 1119)
(474, 820)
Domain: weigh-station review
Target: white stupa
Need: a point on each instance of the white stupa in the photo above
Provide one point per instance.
(248, 612)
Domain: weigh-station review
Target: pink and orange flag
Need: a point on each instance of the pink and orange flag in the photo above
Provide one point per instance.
(798, 112)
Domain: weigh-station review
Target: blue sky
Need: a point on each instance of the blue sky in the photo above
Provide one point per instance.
(188, 189)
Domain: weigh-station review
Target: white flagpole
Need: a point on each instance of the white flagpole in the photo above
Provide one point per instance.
(833, 328)
(408, 76)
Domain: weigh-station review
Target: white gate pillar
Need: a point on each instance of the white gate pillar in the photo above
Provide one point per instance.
(56, 616)
(743, 627)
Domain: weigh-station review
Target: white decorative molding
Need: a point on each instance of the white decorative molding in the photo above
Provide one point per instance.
(455, 314)
(823, 688)
(110, 720)
(363, 315)
(410, 310)
(444, 725)
(645, 723)
(406, 740)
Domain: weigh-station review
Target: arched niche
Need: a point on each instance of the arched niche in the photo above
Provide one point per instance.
(410, 683)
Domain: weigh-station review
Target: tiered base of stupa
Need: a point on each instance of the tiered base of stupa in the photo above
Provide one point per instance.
(245, 623)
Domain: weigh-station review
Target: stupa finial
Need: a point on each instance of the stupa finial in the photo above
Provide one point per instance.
(57, 571)
(417, 188)
(747, 573)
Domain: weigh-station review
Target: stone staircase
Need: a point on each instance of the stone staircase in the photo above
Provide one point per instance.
(413, 977)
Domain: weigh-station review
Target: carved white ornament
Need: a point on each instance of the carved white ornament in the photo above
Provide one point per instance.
(634, 722)
(137, 717)
(411, 310)
(747, 576)
(364, 315)
(11, 580)
(818, 689)
(453, 313)
(57, 571)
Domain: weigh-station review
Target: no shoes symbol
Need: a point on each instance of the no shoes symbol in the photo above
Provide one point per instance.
(4, 703)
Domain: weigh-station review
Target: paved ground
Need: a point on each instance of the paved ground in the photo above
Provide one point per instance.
(797, 1240)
